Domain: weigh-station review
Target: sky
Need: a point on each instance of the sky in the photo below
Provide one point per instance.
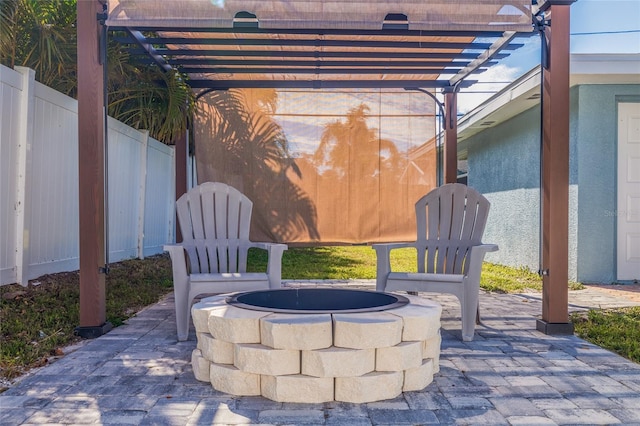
(605, 26)
(597, 26)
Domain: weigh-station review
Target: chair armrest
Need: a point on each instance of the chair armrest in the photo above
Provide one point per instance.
(274, 261)
(270, 246)
(383, 261)
(476, 257)
(383, 252)
(487, 247)
(180, 277)
(391, 246)
(178, 259)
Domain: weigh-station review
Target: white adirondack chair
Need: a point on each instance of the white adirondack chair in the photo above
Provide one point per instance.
(450, 223)
(214, 219)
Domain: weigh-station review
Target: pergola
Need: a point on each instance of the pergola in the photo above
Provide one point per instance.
(407, 44)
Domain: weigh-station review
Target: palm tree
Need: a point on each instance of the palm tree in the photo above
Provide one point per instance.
(148, 97)
(41, 34)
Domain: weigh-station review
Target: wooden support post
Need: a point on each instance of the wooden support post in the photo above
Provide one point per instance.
(451, 137)
(91, 173)
(555, 173)
(181, 154)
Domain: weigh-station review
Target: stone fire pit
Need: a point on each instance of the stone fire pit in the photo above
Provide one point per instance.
(316, 355)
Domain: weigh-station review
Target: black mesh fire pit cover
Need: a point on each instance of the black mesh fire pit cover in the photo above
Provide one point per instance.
(316, 300)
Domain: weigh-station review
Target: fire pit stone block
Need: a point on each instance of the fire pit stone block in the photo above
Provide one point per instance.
(260, 359)
(420, 322)
(297, 388)
(418, 378)
(215, 350)
(231, 380)
(302, 332)
(431, 350)
(370, 387)
(366, 330)
(403, 356)
(200, 366)
(235, 325)
(338, 362)
(200, 312)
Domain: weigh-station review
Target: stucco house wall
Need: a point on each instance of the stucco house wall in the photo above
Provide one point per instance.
(504, 164)
(597, 142)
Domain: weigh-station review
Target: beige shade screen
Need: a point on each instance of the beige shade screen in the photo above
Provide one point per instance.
(321, 166)
(341, 166)
(450, 15)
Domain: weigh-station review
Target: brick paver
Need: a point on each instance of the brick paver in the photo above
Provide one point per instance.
(510, 374)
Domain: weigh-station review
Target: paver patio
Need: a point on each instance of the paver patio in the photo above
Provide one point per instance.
(510, 374)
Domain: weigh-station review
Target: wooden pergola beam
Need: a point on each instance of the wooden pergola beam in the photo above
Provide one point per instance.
(91, 151)
(91, 173)
(450, 161)
(555, 170)
(181, 158)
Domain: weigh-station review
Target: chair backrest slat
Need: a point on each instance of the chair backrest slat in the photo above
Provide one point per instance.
(220, 214)
(208, 206)
(450, 220)
(189, 208)
(215, 220)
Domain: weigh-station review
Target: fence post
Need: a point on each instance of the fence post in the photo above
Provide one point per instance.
(25, 137)
(142, 193)
(171, 205)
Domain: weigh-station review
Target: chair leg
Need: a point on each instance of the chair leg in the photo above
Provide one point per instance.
(468, 327)
(182, 312)
(470, 314)
(182, 325)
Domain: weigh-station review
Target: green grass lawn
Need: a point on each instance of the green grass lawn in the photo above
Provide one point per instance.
(345, 262)
(38, 320)
(615, 329)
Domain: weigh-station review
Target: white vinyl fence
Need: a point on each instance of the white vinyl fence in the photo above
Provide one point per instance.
(39, 183)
